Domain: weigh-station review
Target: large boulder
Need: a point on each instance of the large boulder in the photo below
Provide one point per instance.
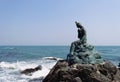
(63, 72)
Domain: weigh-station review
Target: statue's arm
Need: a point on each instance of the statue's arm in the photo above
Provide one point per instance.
(72, 48)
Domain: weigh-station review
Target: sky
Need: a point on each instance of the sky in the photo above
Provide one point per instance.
(52, 22)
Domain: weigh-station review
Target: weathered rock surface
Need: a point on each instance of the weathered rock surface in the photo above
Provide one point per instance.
(31, 70)
(62, 72)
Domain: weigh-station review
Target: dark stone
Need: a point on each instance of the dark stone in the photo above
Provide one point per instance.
(117, 76)
(31, 70)
(108, 69)
(63, 72)
(51, 58)
(77, 79)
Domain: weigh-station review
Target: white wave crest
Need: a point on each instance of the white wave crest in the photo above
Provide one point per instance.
(11, 71)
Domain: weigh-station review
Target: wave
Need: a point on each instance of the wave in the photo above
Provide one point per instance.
(9, 48)
(13, 69)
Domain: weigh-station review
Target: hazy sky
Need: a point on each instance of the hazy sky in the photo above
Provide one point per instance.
(51, 22)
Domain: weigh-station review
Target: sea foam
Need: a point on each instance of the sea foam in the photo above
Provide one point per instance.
(10, 71)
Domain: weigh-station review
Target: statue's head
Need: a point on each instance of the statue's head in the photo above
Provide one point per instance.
(78, 24)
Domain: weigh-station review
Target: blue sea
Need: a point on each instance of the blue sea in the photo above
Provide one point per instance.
(14, 59)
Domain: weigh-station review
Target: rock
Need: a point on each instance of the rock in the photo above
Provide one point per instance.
(77, 79)
(31, 70)
(63, 72)
(108, 69)
(51, 58)
(117, 76)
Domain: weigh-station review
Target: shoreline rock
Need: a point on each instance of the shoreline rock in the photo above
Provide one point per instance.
(63, 72)
(31, 70)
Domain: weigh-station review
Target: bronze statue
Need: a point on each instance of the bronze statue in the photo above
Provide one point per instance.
(81, 52)
(81, 33)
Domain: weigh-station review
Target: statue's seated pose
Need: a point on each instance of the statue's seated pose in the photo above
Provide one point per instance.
(81, 52)
(81, 33)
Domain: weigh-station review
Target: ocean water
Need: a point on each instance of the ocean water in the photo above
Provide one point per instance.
(14, 59)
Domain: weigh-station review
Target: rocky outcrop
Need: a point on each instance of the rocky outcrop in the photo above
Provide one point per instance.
(31, 70)
(63, 72)
(83, 64)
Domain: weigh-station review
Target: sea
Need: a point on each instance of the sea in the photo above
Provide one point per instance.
(15, 59)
